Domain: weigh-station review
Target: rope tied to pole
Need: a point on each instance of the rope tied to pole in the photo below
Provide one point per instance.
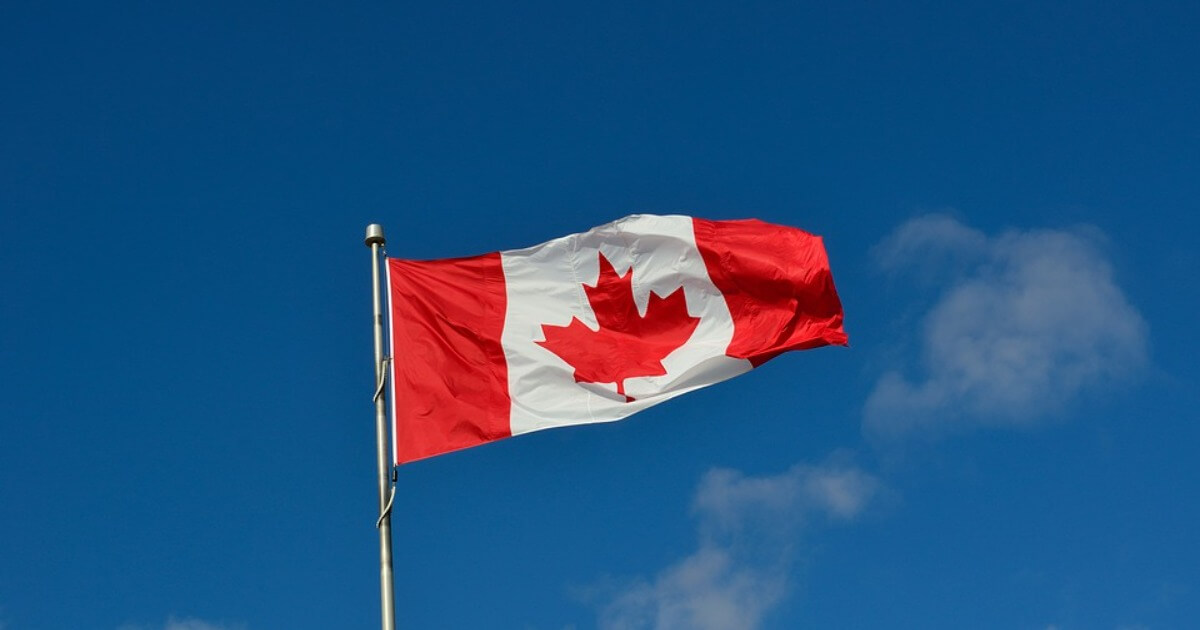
(380, 378)
(380, 382)
(387, 509)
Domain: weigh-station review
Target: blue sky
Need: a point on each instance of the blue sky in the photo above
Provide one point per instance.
(1008, 193)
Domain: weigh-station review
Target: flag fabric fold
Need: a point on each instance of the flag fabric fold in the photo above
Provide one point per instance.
(595, 326)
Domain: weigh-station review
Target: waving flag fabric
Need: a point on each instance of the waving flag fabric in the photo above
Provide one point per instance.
(593, 327)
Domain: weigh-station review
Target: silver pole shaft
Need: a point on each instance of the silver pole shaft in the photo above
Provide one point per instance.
(375, 241)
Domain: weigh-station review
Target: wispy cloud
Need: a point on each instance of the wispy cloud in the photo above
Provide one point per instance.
(1025, 322)
(748, 528)
(185, 623)
(1135, 627)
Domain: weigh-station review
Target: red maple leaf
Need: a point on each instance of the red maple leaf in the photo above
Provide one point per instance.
(627, 344)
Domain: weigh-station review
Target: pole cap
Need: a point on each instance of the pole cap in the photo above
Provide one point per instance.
(374, 235)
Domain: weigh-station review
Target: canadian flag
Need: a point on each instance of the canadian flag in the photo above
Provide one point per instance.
(593, 327)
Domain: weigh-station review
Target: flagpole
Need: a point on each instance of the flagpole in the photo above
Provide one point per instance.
(375, 241)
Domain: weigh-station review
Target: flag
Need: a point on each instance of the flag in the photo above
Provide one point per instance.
(595, 326)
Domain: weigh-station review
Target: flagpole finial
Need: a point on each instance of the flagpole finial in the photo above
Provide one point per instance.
(374, 235)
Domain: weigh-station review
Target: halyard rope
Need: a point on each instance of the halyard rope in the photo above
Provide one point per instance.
(381, 379)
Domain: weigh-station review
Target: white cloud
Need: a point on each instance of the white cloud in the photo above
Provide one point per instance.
(747, 530)
(933, 243)
(193, 624)
(185, 623)
(729, 499)
(1026, 321)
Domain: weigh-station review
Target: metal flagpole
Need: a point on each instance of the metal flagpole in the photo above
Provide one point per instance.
(376, 241)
